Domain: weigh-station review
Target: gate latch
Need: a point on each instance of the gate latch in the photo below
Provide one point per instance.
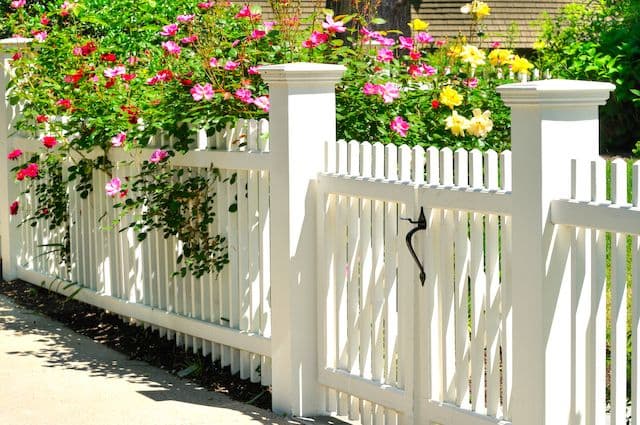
(421, 224)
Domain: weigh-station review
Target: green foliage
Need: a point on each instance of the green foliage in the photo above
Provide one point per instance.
(600, 41)
(104, 75)
(180, 202)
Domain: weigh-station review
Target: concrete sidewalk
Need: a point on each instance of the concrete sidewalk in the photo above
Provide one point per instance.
(52, 375)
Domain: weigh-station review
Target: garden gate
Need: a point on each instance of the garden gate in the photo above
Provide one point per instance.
(509, 326)
(322, 299)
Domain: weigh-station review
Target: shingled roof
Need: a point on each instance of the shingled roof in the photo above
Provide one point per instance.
(445, 18)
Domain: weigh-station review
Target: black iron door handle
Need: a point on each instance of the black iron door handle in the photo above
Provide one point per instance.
(421, 224)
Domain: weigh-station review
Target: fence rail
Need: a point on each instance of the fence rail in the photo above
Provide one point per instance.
(225, 316)
(322, 299)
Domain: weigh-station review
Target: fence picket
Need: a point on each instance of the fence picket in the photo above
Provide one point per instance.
(234, 271)
(224, 278)
(431, 263)
(342, 354)
(353, 278)
(478, 293)
(244, 289)
(328, 294)
(368, 278)
(390, 262)
(446, 284)
(254, 266)
(492, 291)
(596, 339)
(461, 288)
(506, 330)
(377, 242)
(580, 291)
(265, 274)
(618, 302)
(406, 283)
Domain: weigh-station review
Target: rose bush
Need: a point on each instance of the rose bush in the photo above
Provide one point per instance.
(101, 76)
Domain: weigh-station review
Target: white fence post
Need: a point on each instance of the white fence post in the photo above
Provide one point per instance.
(552, 121)
(8, 190)
(302, 120)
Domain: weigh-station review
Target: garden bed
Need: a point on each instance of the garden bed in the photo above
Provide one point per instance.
(136, 342)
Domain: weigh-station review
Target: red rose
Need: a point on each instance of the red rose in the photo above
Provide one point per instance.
(49, 142)
(108, 57)
(88, 48)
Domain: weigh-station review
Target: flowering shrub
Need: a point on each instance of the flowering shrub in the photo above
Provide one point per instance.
(102, 85)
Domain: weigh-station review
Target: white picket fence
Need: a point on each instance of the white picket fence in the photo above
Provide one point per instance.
(138, 276)
(373, 305)
(322, 300)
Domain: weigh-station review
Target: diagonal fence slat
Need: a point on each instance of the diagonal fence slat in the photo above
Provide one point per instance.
(454, 346)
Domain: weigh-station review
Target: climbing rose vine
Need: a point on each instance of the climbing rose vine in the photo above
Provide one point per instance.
(195, 66)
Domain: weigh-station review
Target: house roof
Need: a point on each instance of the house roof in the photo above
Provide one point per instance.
(445, 18)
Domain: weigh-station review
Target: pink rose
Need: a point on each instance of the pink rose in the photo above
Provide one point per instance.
(185, 18)
(118, 140)
(400, 126)
(200, 92)
(14, 154)
(262, 102)
(113, 187)
(231, 65)
(169, 30)
(158, 155)
(384, 55)
(13, 208)
(171, 47)
(333, 27)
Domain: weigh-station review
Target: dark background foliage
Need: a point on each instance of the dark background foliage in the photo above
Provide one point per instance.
(600, 41)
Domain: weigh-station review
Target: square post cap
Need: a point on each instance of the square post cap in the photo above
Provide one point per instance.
(556, 93)
(302, 73)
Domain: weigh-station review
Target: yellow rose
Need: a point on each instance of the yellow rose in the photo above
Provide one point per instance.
(499, 57)
(519, 65)
(418, 25)
(480, 124)
(450, 97)
(454, 51)
(457, 124)
(478, 9)
(539, 45)
(472, 55)
(481, 9)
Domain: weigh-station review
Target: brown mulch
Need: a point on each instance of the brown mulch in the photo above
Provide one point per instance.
(136, 342)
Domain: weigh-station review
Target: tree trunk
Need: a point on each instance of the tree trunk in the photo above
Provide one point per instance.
(397, 13)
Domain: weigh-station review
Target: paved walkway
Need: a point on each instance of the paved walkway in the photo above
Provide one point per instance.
(52, 375)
